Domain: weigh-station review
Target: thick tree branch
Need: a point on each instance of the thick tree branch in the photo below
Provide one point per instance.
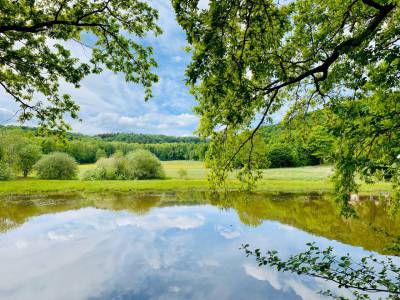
(343, 48)
(373, 4)
(23, 104)
(48, 24)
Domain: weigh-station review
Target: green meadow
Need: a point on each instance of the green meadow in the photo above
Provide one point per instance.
(302, 179)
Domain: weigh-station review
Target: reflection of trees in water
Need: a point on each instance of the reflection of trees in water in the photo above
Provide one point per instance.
(314, 213)
(15, 212)
(7, 224)
(319, 215)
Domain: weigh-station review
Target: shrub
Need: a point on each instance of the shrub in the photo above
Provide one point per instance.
(5, 171)
(56, 165)
(112, 168)
(182, 173)
(140, 164)
(100, 153)
(92, 174)
(280, 156)
(144, 165)
(105, 168)
(28, 155)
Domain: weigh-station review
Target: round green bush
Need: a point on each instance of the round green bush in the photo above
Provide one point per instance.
(56, 165)
(112, 168)
(91, 174)
(280, 156)
(183, 174)
(5, 171)
(142, 164)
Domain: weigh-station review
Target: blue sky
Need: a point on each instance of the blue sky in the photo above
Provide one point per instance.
(109, 104)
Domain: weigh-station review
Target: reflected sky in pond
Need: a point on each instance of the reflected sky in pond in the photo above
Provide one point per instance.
(169, 252)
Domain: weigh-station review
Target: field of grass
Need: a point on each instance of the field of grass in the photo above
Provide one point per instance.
(194, 169)
(304, 179)
(197, 170)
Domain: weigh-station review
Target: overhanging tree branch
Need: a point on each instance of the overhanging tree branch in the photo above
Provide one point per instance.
(343, 48)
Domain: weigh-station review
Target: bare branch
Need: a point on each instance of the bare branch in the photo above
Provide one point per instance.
(272, 99)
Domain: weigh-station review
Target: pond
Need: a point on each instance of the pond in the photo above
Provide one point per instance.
(175, 246)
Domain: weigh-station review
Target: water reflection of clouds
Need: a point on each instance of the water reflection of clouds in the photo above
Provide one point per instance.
(170, 253)
(97, 240)
(228, 231)
(162, 222)
(281, 282)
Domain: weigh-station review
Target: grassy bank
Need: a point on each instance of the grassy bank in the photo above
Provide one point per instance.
(305, 179)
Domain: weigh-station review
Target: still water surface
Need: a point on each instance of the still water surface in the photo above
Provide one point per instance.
(180, 246)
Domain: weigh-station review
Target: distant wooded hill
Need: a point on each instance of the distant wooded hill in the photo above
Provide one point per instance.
(305, 142)
(138, 138)
(141, 138)
(87, 149)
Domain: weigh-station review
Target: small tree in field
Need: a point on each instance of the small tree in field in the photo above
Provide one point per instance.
(100, 153)
(280, 156)
(144, 165)
(56, 165)
(5, 171)
(28, 155)
(182, 173)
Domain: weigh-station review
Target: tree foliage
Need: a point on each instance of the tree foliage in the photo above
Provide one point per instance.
(28, 155)
(56, 165)
(252, 57)
(18, 152)
(5, 171)
(139, 164)
(147, 138)
(35, 55)
(367, 132)
(369, 275)
(144, 165)
(88, 149)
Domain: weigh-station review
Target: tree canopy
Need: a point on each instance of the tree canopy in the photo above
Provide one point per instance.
(35, 58)
(252, 58)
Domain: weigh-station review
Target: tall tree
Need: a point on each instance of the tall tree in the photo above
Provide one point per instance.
(252, 57)
(34, 55)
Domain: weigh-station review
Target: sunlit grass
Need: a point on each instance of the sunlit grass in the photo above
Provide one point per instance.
(194, 169)
(197, 170)
(304, 179)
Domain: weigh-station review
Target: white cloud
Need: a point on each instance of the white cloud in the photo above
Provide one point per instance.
(149, 122)
(203, 4)
(59, 236)
(228, 232)
(162, 222)
(174, 289)
(207, 263)
(6, 115)
(286, 227)
(286, 282)
(177, 58)
(21, 244)
(261, 274)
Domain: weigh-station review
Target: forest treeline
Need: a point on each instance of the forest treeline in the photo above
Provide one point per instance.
(88, 149)
(301, 142)
(141, 138)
